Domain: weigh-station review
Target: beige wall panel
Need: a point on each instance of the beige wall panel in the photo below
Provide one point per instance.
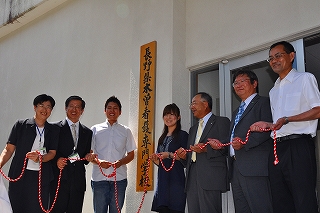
(226, 29)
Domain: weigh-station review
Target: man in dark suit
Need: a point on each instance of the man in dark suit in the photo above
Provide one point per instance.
(206, 176)
(249, 163)
(74, 143)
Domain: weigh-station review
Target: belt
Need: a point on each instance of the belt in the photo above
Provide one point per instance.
(291, 137)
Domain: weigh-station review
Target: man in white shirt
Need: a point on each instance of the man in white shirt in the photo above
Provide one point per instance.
(113, 143)
(295, 107)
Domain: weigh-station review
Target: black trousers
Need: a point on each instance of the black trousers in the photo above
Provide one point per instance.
(293, 179)
(70, 199)
(23, 194)
(165, 209)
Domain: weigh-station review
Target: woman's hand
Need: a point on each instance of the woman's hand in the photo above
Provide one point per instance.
(33, 155)
(181, 153)
(154, 157)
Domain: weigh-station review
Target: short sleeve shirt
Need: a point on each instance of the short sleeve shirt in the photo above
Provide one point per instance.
(297, 93)
(111, 143)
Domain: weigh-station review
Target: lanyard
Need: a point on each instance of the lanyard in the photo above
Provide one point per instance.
(40, 133)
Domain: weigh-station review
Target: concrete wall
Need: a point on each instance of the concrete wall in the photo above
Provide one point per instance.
(219, 30)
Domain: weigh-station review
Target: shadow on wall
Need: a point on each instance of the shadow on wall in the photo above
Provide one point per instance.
(12, 10)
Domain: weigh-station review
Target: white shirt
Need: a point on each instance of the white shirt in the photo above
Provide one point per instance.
(37, 146)
(111, 143)
(297, 93)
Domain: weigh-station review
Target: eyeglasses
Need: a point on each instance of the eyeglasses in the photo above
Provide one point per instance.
(276, 56)
(45, 107)
(240, 82)
(194, 103)
(75, 107)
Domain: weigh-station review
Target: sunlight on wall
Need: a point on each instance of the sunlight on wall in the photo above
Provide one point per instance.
(123, 10)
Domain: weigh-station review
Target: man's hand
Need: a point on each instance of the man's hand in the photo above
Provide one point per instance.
(105, 164)
(90, 157)
(215, 144)
(118, 163)
(236, 144)
(260, 125)
(196, 148)
(61, 163)
(280, 122)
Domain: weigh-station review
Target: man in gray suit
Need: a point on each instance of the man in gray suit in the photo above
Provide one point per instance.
(206, 176)
(248, 168)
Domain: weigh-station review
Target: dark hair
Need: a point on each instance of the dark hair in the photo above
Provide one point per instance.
(75, 97)
(253, 77)
(113, 99)
(174, 109)
(42, 98)
(288, 48)
(206, 97)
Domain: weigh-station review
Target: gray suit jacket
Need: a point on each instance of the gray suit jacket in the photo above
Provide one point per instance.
(211, 166)
(252, 159)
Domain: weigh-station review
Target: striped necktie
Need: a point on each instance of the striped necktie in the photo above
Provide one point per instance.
(74, 134)
(236, 120)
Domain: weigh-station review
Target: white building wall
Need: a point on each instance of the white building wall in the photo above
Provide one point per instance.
(219, 30)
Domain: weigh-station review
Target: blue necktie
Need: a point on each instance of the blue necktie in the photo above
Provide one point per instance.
(236, 120)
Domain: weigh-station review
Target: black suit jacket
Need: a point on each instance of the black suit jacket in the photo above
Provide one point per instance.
(22, 136)
(252, 159)
(73, 171)
(211, 166)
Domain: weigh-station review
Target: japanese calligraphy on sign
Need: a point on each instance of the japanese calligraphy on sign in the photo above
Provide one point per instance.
(146, 115)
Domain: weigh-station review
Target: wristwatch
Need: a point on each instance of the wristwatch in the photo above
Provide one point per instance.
(286, 120)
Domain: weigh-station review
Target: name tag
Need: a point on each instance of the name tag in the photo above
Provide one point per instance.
(74, 157)
(43, 151)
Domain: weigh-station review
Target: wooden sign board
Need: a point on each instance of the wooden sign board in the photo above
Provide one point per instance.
(148, 55)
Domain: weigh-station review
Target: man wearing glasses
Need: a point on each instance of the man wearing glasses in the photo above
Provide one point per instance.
(248, 163)
(295, 106)
(206, 176)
